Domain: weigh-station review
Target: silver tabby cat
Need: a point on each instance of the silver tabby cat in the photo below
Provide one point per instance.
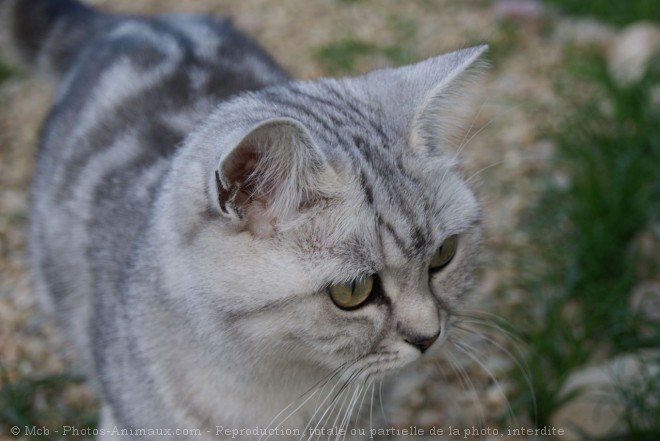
(232, 249)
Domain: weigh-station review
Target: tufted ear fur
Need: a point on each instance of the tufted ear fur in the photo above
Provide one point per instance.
(269, 174)
(431, 94)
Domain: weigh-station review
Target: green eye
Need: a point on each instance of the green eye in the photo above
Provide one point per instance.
(350, 295)
(445, 253)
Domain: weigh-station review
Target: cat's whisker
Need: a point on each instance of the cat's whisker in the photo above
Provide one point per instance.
(312, 391)
(346, 413)
(365, 390)
(341, 433)
(368, 384)
(518, 360)
(323, 381)
(503, 161)
(442, 372)
(467, 383)
(349, 405)
(339, 372)
(473, 135)
(356, 410)
(347, 394)
(454, 366)
(380, 399)
(516, 342)
(351, 379)
(330, 407)
(321, 418)
(465, 350)
(481, 129)
(490, 323)
(371, 407)
(463, 142)
(288, 416)
(318, 408)
(479, 314)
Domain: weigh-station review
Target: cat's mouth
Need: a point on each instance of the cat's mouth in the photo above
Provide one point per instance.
(403, 354)
(381, 364)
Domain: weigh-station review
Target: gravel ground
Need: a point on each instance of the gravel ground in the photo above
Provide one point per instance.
(502, 160)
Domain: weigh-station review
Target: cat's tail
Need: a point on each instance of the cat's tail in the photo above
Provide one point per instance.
(48, 34)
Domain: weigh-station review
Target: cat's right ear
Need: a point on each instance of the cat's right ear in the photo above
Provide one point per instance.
(274, 170)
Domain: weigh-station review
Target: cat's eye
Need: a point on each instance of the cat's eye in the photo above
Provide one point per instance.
(444, 254)
(352, 295)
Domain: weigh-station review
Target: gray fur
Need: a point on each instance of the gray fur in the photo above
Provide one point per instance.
(191, 205)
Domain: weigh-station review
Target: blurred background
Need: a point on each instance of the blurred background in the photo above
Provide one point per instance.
(563, 149)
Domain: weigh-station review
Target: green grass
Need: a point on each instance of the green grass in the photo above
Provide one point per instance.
(585, 260)
(641, 404)
(36, 401)
(6, 71)
(504, 41)
(613, 11)
(341, 56)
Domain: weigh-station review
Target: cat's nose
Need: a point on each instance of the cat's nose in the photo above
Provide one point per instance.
(422, 343)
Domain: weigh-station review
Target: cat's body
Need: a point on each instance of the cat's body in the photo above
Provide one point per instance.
(186, 231)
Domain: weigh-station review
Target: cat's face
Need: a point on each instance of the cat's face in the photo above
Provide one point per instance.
(375, 283)
(336, 229)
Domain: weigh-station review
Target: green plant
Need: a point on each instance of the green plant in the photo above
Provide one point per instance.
(616, 12)
(504, 40)
(583, 263)
(29, 401)
(341, 56)
(6, 72)
(641, 403)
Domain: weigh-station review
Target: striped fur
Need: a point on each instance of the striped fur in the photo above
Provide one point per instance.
(191, 205)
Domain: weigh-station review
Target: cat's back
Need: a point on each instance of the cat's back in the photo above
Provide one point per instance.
(130, 89)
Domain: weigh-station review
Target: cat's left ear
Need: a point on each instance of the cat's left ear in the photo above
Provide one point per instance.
(428, 99)
(274, 170)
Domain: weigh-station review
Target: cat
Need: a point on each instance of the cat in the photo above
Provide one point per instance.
(230, 250)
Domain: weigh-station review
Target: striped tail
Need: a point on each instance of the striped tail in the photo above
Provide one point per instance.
(48, 34)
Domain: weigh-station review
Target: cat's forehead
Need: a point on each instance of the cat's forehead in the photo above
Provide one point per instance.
(415, 214)
(336, 112)
(394, 219)
(402, 202)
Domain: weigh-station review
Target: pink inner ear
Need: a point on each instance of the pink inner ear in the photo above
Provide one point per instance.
(244, 175)
(273, 170)
(241, 165)
(240, 174)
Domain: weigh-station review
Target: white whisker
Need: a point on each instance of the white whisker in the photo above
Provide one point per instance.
(364, 395)
(311, 392)
(371, 408)
(380, 399)
(468, 385)
(492, 325)
(504, 161)
(346, 393)
(485, 368)
(318, 408)
(482, 128)
(519, 360)
(343, 426)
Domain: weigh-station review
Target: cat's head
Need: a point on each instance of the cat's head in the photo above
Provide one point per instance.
(325, 223)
